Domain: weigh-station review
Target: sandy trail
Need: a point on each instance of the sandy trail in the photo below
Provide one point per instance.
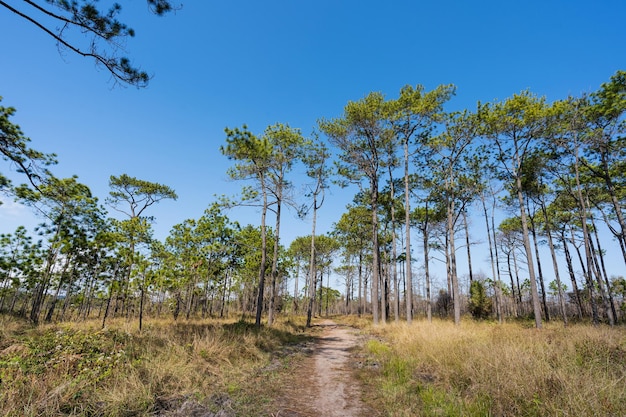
(324, 385)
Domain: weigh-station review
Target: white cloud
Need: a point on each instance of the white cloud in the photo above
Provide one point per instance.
(13, 214)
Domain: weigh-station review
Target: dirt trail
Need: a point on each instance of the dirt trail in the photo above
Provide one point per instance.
(323, 385)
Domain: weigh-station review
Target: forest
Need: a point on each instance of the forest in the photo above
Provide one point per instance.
(384, 251)
(555, 168)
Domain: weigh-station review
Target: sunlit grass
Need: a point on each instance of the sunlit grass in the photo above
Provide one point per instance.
(80, 369)
(480, 369)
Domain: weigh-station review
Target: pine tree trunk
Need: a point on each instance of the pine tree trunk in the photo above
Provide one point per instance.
(312, 265)
(272, 306)
(572, 275)
(429, 302)
(454, 280)
(531, 267)
(408, 296)
(467, 245)
(262, 267)
(375, 250)
(539, 269)
(602, 268)
(495, 277)
(555, 265)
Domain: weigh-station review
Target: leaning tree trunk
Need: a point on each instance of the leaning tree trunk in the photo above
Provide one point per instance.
(42, 286)
(603, 287)
(595, 315)
(555, 265)
(570, 270)
(529, 256)
(602, 267)
(539, 269)
(582, 206)
(495, 277)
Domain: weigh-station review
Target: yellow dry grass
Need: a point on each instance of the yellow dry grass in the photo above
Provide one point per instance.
(80, 369)
(501, 370)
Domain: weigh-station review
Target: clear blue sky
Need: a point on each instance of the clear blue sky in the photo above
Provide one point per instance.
(226, 63)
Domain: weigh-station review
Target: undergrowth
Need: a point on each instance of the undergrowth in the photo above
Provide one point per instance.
(79, 369)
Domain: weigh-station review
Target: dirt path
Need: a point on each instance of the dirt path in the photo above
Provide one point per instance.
(323, 385)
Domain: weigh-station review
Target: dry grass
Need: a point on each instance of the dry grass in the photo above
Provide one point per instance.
(78, 369)
(481, 369)
(426, 369)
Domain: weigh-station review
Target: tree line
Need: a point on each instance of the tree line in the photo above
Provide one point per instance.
(422, 174)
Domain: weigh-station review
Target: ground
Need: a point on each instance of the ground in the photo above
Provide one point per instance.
(323, 384)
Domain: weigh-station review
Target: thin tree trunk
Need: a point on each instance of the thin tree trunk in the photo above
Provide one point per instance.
(544, 300)
(587, 240)
(495, 247)
(555, 265)
(408, 294)
(54, 301)
(529, 255)
(467, 244)
(495, 277)
(108, 304)
(604, 291)
(572, 275)
(41, 287)
(615, 232)
(589, 283)
(361, 306)
(262, 267)
(327, 291)
(394, 272)
(602, 268)
(142, 292)
(312, 266)
(375, 250)
(272, 307)
(295, 290)
(452, 266)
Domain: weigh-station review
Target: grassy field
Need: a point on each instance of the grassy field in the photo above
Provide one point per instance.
(485, 369)
(184, 367)
(426, 369)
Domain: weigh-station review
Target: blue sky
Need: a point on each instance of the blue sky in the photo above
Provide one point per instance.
(223, 64)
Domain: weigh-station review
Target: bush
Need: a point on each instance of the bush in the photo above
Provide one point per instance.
(479, 302)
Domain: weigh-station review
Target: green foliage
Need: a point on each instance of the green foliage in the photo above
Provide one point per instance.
(363, 136)
(81, 361)
(328, 296)
(554, 288)
(443, 304)
(251, 153)
(137, 194)
(104, 34)
(479, 302)
(618, 286)
(14, 148)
